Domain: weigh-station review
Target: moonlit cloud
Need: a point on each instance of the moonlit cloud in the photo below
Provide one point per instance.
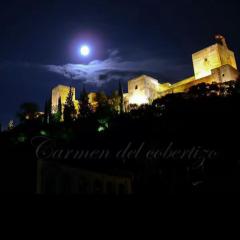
(102, 71)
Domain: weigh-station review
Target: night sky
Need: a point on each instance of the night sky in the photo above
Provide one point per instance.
(40, 41)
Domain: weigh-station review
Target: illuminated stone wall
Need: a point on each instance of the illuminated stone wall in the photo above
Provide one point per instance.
(210, 58)
(185, 87)
(92, 98)
(185, 81)
(62, 92)
(227, 56)
(142, 90)
(225, 73)
(177, 87)
(213, 64)
(222, 74)
(163, 87)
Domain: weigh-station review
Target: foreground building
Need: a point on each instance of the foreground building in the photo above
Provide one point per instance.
(58, 178)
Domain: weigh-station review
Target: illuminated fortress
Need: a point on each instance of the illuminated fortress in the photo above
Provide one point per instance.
(213, 64)
(61, 92)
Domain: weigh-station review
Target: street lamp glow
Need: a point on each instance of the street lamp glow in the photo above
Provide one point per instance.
(85, 51)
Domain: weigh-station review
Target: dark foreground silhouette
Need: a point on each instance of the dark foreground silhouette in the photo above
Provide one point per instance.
(181, 143)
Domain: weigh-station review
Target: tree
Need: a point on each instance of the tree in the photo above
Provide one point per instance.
(69, 112)
(28, 112)
(102, 99)
(120, 94)
(60, 107)
(231, 89)
(104, 108)
(237, 87)
(85, 108)
(158, 103)
(200, 90)
(115, 102)
(58, 115)
(47, 111)
(214, 89)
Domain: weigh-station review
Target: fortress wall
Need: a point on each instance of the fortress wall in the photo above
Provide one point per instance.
(142, 90)
(227, 57)
(62, 91)
(137, 91)
(211, 58)
(185, 81)
(151, 88)
(164, 87)
(185, 87)
(233, 60)
(136, 84)
(225, 73)
(206, 60)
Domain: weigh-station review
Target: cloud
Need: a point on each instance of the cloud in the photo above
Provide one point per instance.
(113, 68)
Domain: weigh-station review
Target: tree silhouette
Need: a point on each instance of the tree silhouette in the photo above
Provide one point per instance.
(47, 111)
(69, 112)
(237, 87)
(28, 112)
(58, 115)
(60, 107)
(104, 109)
(115, 102)
(158, 103)
(85, 108)
(214, 89)
(200, 90)
(231, 87)
(120, 94)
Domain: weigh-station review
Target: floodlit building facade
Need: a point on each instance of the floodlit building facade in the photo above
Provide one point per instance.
(62, 92)
(213, 64)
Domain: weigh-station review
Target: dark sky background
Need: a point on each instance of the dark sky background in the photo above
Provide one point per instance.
(39, 42)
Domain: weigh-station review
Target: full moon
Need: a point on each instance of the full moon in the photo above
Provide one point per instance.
(85, 50)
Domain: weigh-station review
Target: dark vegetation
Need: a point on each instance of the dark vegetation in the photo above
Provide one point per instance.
(206, 117)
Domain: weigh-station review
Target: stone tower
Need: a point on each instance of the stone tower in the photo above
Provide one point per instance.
(213, 57)
(142, 90)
